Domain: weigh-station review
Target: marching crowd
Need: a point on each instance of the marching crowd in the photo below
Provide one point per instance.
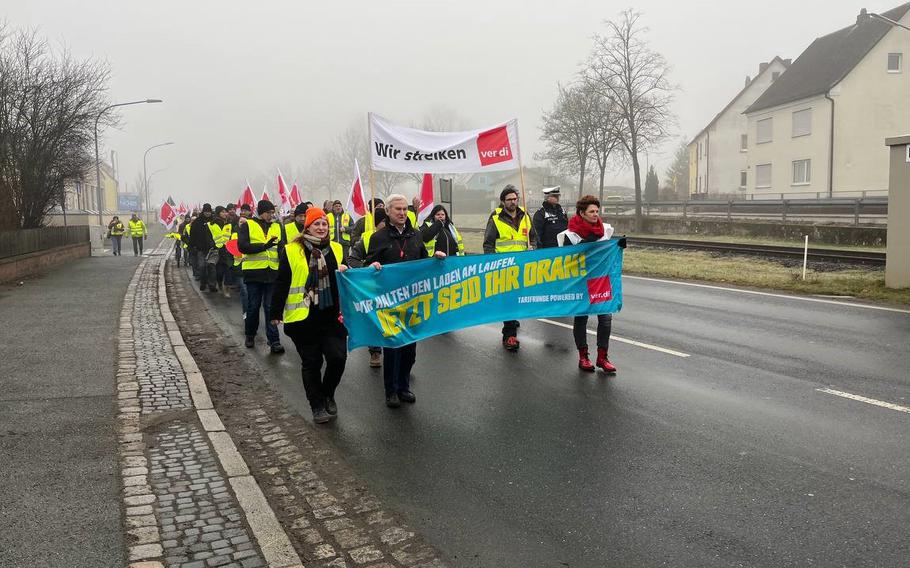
(285, 270)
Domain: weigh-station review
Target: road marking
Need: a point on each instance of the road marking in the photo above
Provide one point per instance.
(623, 340)
(859, 398)
(757, 293)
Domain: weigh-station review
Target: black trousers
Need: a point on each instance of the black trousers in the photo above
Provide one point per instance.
(396, 367)
(510, 329)
(580, 331)
(313, 352)
(137, 245)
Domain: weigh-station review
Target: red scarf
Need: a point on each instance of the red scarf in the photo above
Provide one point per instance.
(583, 229)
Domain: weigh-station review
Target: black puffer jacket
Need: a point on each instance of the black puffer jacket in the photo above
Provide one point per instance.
(389, 245)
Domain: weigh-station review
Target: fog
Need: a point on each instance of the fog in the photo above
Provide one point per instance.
(249, 86)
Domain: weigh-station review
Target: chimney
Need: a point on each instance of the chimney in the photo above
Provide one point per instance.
(762, 67)
(787, 62)
(862, 17)
(748, 80)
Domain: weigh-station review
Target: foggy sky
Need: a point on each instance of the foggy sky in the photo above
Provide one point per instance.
(249, 86)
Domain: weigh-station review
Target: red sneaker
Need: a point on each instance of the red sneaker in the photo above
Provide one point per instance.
(603, 362)
(511, 343)
(584, 363)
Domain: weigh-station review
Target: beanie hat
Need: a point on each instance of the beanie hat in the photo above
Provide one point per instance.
(378, 202)
(301, 208)
(380, 216)
(207, 208)
(312, 214)
(219, 209)
(506, 191)
(246, 207)
(263, 206)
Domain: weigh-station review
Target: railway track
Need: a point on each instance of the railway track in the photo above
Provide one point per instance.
(817, 254)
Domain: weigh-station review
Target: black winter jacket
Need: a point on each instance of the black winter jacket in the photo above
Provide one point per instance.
(265, 275)
(388, 246)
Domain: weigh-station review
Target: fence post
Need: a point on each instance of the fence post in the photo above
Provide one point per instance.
(685, 207)
(730, 210)
(856, 206)
(785, 206)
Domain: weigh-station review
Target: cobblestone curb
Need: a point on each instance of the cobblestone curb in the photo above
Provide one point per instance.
(188, 498)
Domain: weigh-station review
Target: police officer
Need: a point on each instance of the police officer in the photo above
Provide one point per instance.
(550, 220)
(508, 230)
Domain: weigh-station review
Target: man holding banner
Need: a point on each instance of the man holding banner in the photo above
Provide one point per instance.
(398, 242)
(508, 230)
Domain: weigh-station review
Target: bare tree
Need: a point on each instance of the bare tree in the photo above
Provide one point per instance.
(677, 175)
(634, 77)
(568, 131)
(606, 130)
(48, 105)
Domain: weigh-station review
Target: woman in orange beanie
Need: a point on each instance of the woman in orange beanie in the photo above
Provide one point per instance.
(306, 301)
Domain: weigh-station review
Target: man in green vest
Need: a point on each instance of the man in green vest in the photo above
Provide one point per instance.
(340, 226)
(295, 227)
(138, 232)
(258, 240)
(509, 230)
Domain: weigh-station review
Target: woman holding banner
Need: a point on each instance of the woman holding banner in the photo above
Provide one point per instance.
(586, 227)
(306, 300)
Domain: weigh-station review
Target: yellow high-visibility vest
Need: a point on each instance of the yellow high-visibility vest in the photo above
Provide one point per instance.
(295, 309)
(186, 232)
(267, 258)
(220, 235)
(291, 231)
(237, 259)
(117, 230)
(345, 221)
(509, 238)
(137, 228)
(431, 246)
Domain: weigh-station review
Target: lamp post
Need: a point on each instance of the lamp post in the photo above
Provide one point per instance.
(97, 160)
(145, 176)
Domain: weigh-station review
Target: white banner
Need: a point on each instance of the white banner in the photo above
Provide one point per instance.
(395, 148)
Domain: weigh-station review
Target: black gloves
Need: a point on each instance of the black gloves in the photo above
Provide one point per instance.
(621, 242)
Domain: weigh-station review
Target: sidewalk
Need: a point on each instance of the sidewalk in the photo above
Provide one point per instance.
(59, 486)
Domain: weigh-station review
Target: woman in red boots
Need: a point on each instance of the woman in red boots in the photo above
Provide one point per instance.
(586, 227)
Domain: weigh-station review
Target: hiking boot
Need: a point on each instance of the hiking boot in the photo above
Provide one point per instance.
(584, 363)
(603, 362)
(407, 396)
(391, 400)
(277, 348)
(376, 360)
(320, 416)
(250, 341)
(226, 292)
(330, 406)
(511, 343)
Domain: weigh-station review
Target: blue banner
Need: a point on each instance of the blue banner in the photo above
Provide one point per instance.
(410, 301)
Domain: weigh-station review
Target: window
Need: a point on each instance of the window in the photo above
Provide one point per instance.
(743, 142)
(763, 176)
(802, 172)
(775, 75)
(895, 62)
(765, 129)
(743, 178)
(802, 122)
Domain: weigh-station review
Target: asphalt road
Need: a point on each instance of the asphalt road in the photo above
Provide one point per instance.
(728, 457)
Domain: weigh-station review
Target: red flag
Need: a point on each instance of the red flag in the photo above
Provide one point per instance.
(356, 205)
(167, 215)
(247, 197)
(295, 196)
(182, 209)
(265, 195)
(285, 205)
(426, 198)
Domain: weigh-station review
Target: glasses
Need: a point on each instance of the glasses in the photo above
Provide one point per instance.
(512, 199)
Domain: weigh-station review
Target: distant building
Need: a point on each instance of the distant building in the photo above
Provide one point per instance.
(818, 129)
(82, 195)
(717, 155)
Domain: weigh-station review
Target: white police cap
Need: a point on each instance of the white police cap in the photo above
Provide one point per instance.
(551, 190)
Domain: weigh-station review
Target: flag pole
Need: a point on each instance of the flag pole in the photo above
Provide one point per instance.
(370, 223)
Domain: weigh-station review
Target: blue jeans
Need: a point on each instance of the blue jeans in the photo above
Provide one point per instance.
(244, 295)
(396, 367)
(259, 295)
(115, 243)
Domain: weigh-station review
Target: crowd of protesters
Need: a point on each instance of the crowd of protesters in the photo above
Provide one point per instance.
(285, 272)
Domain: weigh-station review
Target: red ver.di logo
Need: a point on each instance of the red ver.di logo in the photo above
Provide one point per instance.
(493, 146)
(600, 290)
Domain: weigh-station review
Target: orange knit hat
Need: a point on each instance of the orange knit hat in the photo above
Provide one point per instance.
(312, 214)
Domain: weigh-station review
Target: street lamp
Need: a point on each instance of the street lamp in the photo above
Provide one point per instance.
(888, 20)
(97, 160)
(145, 175)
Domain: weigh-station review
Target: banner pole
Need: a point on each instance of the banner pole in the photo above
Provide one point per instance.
(521, 182)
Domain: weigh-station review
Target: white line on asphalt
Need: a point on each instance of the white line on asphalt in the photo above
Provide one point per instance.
(757, 293)
(859, 398)
(623, 340)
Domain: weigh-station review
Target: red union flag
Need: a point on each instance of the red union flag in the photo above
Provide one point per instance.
(248, 198)
(356, 205)
(600, 290)
(395, 148)
(295, 196)
(426, 198)
(167, 215)
(285, 205)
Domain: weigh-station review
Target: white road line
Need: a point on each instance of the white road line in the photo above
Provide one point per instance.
(859, 398)
(623, 340)
(757, 293)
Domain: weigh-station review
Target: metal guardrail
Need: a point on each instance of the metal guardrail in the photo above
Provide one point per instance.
(869, 258)
(25, 241)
